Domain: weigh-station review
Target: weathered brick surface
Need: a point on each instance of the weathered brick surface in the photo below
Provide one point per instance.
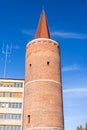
(43, 98)
(37, 55)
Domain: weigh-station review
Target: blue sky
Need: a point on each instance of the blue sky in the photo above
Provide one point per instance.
(67, 20)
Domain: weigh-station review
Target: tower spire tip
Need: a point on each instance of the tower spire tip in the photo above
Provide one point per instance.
(42, 30)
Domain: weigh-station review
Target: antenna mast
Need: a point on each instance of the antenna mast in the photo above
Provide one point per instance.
(6, 52)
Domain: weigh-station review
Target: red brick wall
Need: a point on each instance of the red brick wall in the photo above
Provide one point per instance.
(43, 94)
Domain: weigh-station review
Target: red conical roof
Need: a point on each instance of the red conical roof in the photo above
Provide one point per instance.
(42, 30)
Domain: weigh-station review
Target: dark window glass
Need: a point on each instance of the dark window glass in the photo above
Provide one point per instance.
(14, 84)
(10, 94)
(4, 94)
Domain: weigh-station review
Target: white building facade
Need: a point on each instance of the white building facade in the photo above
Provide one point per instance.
(11, 104)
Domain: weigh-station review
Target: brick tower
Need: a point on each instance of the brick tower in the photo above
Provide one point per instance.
(43, 106)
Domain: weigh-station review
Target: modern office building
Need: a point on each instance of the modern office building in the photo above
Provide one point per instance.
(11, 104)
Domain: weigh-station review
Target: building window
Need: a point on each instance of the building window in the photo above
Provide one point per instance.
(48, 62)
(12, 105)
(19, 116)
(10, 94)
(20, 105)
(30, 65)
(7, 105)
(1, 85)
(4, 94)
(14, 84)
(8, 116)
(4, 127)
(9, 85)
(0, 116)
(14, 127)
(4, 116)
(8, 128)
(17, 105)
(28, 118)
(18, 85)
(0, 127)
(1, 94)
(12, 116)
(21, 85)
(2, 105)
(19, 127)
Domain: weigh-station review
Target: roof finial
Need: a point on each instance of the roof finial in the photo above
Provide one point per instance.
(42, 8)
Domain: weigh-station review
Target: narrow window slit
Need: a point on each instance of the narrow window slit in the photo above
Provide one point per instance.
(28, 118)
(48, 62)
(30, 65)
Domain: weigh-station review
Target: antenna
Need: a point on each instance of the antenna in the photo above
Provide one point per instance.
(6, 51)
